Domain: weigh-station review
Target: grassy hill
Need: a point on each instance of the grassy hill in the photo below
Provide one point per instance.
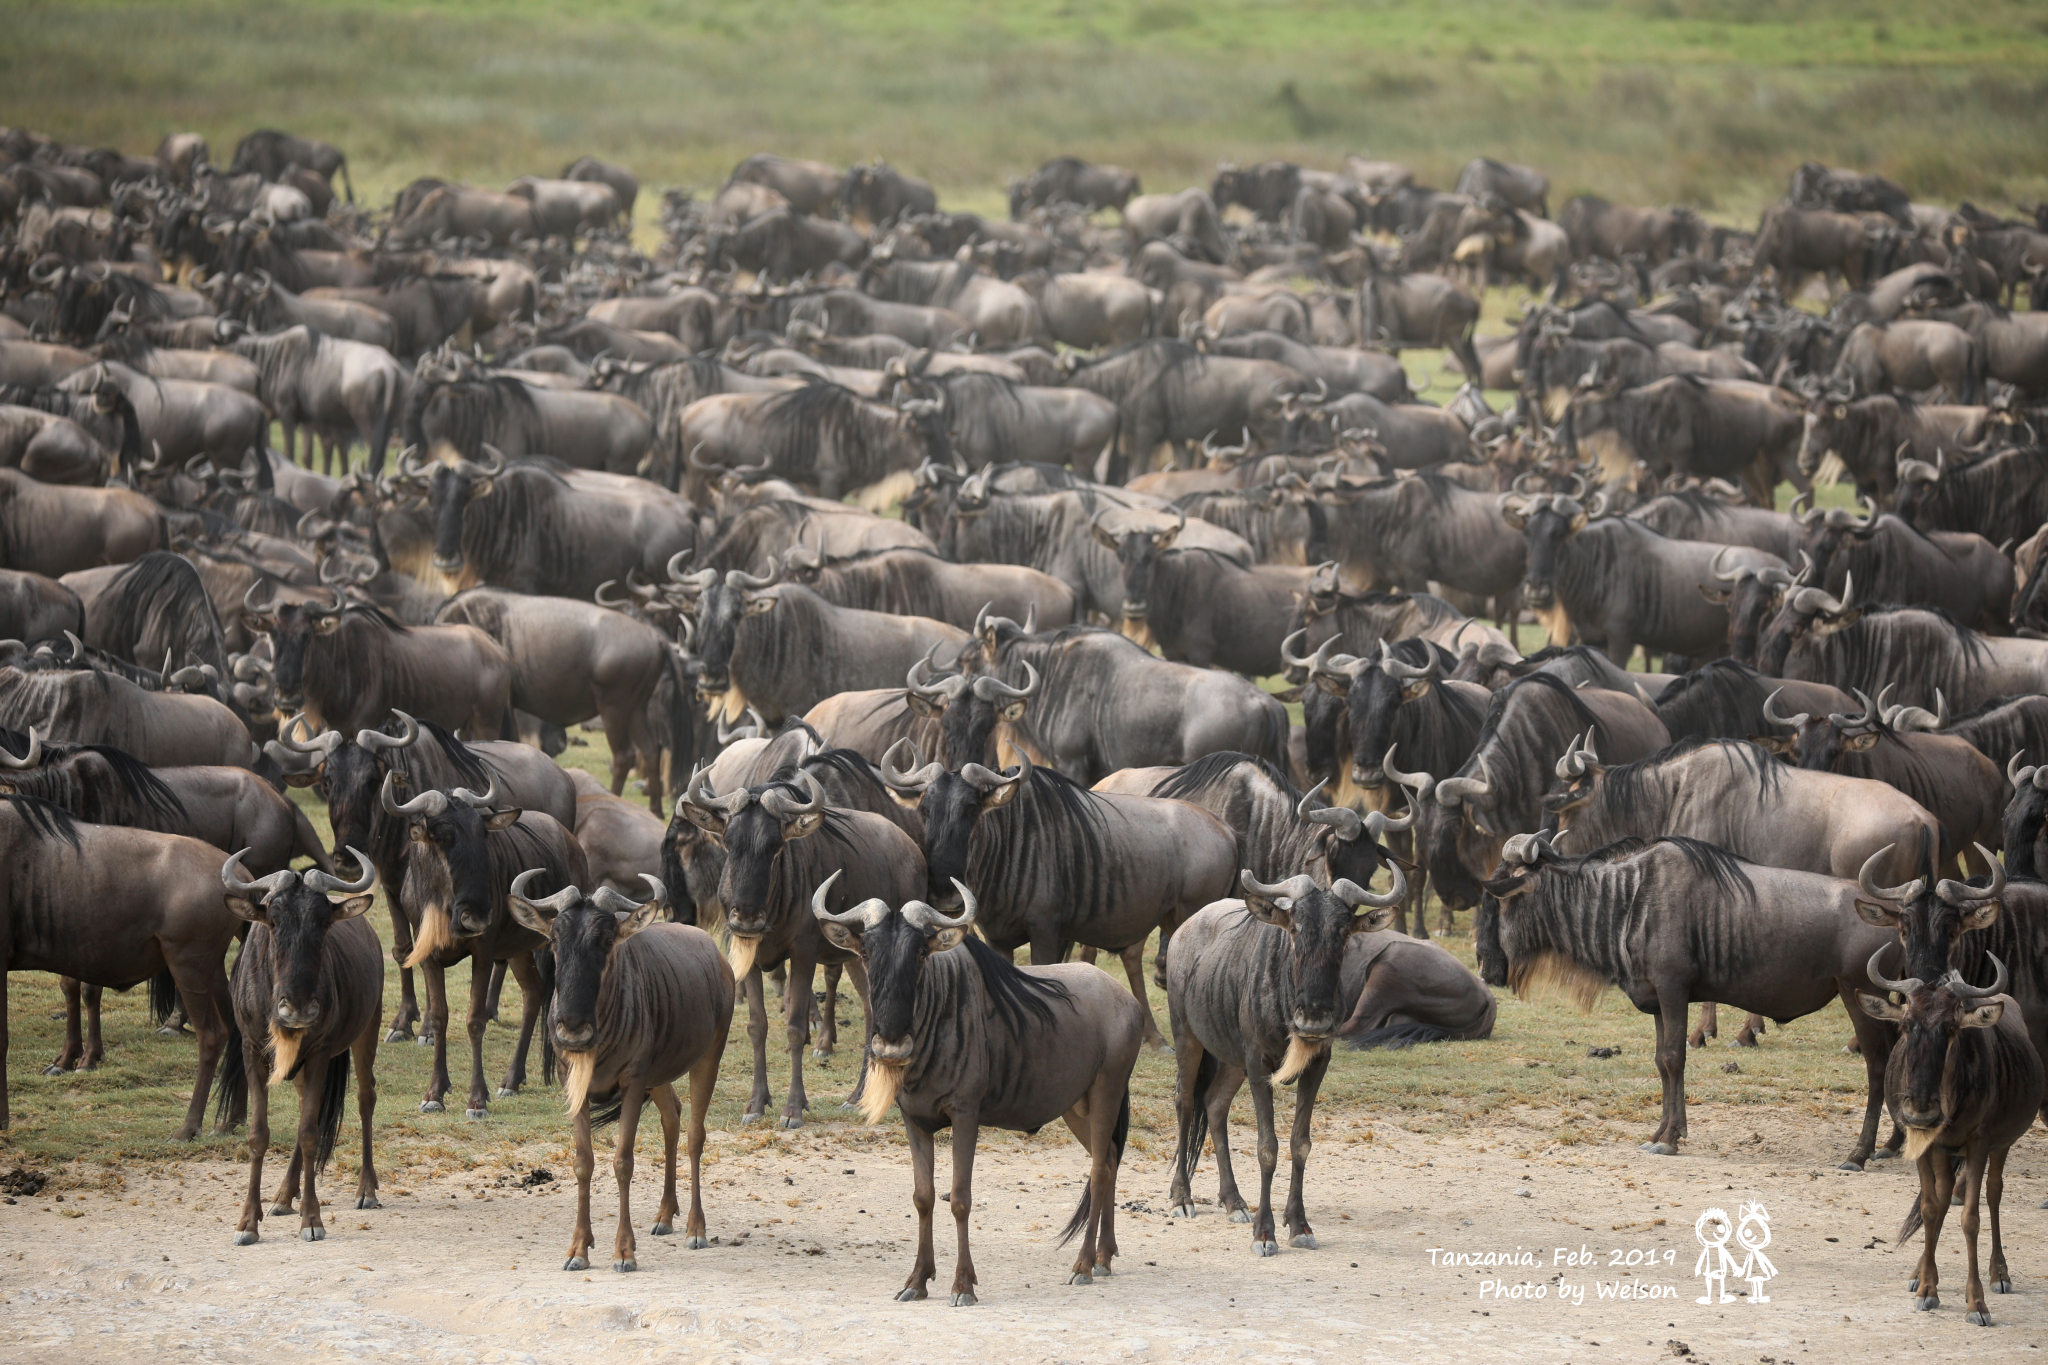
(1711, 101)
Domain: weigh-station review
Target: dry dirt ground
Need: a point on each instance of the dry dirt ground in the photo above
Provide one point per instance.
(814, 1237)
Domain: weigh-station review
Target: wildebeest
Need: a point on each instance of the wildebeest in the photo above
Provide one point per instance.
(909, 582)
(1874, 436)
(1913, 354)
(1957, 572)
(1201, 607)
(80, 703)
(1343, 369)
(1817, 637)
(624, 184)
(636, 1004)
(1089, 310)
(564, 208)
(1523, 187)
(1057, 864)
(962, 1038)
(338, 389)
(779, 839)
(820, 436)
(1816, 186)
(1070, 180)
(1725, 699)
(1670, 921)
(461, 212)
(1696, 514)
(598, 431)
(1685, 424)
(1167, 390)
(308, 996)
(463, 853)
(1255, 991)
(117, 907)
(809, 186)
(1188, 216)
(1409, 532)
(1599, 228)
(35, 607)
(1418, 309)
(2002, 497)
(1796, 244)
(270, 153)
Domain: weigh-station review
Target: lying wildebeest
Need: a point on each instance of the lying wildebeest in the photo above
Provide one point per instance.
(308, 995)
(1409, 992)
(463, 853)
(117, 907)
(1057, 864)
(779, 839)
(636, 1003)
(1670, 921)
(963, 1038)
(1255, 991)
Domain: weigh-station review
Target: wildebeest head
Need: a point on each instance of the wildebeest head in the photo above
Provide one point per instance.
(1919, 484)
(1578, 772)
(1825, 534)
(1137, 551)
(1544, 521)
(349, 776)
(721, 605)
(967, 709)
(1804, 613)
(1751, 594)
(1318, 923)
(299, 909)
(1935, 1079)
(894, 945)
(583, 930)
(755, 825)
(1374, 688)
(951, 803)
(448, 868)
(1827, 427)
(2026, 818)
(292, 627)
(1820, 745)
(1931, 914)
(451, 488)
(1522, 859)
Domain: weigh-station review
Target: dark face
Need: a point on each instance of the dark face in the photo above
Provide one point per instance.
(1926, 1055)
(448, 494)
(1318, 925)
(950, 807)
(1751, 603)
(1567, 794)
(1825, 426)
(968, 728)
(754, 840)
(292, 630)
(1486, 946)
(894, 953)
(1355, 860)
(1373, 704)
(2026, 831)
(720, 609)
(1545, 531)
(299, 920)
(1786, 628)
(583, 937)
(452, 857)
(1823, 746)
(1322, 712)
(350, 780)
(1137, 554)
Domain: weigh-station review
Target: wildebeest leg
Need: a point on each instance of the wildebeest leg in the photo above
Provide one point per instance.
(1937, 1182)
(1671, 1071)
(966, 1127)
(1709, 1025)
(703, 1079)
(287, 1192)
(828, 1022)
(480, 969)
(74, 1038)
(1876, 1038)
(631, 1096)
(1994, 1191)
(3, 1039)
(493, 991)
(923, 1194)
(1159, 958)
(312, 1084)
(858, 974)
(757, 1034)
(1264, 1243)
(1305, 1089)
(401, 949)
(365, 1049)
(579, 1240)
(257, 1075)
(437, 1020)
(670, 1109)
(1134, 968)
(1973, 1293)
(95, 1047)
(531, 999)
(1187, 1155)
(797, 1026)
(1222, 1090)
(204, 987)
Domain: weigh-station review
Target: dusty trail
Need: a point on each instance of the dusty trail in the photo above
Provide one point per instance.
(814, 1239)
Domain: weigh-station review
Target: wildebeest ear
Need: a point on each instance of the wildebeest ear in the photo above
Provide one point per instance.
(1001, 796)
(907, 800)
(1268, 911)
(1013, 711)
(1877, 914)
(1505, 889)
(1372, 920)
(1335, 684)
(1415, 687)
(254, 624)
(1718, 596)
(307, 779)
(1777, 744)
(759, 605)
(806, 823)
(327, 625)
(248, 909)
(840, 937)
(1842, 622)
(350, 908)
(945, 940)
(1110, 540)
(1984, 1016)
(1980, 916)
(481, 488)
(530, 916)
(417, 833)
(1876, 1007)
(922, 706)
(502, 819)
(1858, 743)
(710, 821)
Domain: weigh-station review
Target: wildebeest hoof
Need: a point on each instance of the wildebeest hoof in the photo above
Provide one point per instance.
(368, 1201)
(1265, 1248)
(2001, 1286)
(696, 1243)
(398, 1035)
(1928, 1304)
(964, 1299)
(1183, 1211)
(663, 1229)
(476, 1113)
(425, 1039)
(1240, 1216)
(54, 1069)
(506, 1092)
(1161, 1048)
(280, 1210)
(432, 1107)
(313, 1234)
(1913, 1284)
(790, 1121)
(1305, 1240)
(1884, 1154)
(819, 1054)
(1852, 1165)
(1101, 1272)
(910, 1294)
(747, 1119)
(576, 1263)
(1660, 1148)
(1080, 1277)
(173, 1031)
(1980, 1318)
(245, 1239)
(625, 1267)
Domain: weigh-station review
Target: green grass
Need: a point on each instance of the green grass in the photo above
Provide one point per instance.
(1533, 1071)
(1710, 101)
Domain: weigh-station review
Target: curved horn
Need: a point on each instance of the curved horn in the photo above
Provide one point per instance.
(1794, 722)
(988, 779)
(1354, 895)
(616, 902)
(328, 885)
(1884, 983)
(1420, 783)
(32, 759)
(784, 807)
(553, 905)
(1735, 577)
(1394, 668)
(993, 689)
(1901, 894)
(1453, 790)
(1963, 990)
(374, 740)
(928, 918)
(1962, 893)
(429, 803)
(487, 801)
(231, 878)
(738, 579)
(866, 915)
(916, 779)
(1293, 889)
(1345, 821)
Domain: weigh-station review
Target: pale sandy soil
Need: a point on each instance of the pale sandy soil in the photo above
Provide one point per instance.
(814, 1240)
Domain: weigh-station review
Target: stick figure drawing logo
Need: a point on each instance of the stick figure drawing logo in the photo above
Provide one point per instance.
(1751, 1232)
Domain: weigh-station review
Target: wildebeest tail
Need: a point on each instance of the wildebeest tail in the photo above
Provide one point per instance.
(163, 997)
(231, 1081)
(1117, 1138)
(605, 1108)
(1396, 1036)
(333, 1099)
(544, 964)
(1273, 740)
(1911, 1225)
(1190, 1154)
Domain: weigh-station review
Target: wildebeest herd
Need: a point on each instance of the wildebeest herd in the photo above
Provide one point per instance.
(1143, 450)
